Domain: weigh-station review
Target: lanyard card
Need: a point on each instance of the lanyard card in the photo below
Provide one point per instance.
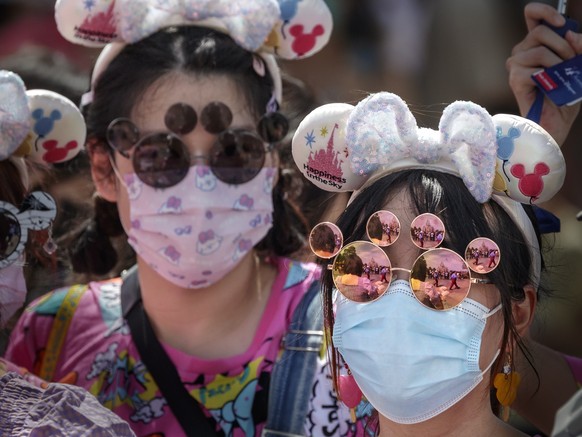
(562, 83)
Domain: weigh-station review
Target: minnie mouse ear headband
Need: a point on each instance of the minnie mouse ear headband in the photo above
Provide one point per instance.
(38, 124)
(290, 29)
(509, 159)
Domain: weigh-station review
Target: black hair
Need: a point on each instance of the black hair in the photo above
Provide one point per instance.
(374, 227)
(446, 196)
(201, 52)
(353, 264)
(323, 238)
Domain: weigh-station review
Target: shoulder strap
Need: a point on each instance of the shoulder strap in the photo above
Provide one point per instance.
(183, 405)
(292, 376)
(59, 331)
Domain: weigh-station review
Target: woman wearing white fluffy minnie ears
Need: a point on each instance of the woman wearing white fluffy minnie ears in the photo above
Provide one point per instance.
(217, 331)
(445, 327)
(36, 125)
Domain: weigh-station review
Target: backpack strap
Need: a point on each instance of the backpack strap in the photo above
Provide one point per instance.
(59, 330)
(292, 376)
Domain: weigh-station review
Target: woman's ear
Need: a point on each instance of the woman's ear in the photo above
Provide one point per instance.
(102, 171)
(523, 312)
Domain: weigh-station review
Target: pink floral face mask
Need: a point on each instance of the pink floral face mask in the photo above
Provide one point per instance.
(197, 231)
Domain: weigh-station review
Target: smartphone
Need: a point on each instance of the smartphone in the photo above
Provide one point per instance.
(572, 25)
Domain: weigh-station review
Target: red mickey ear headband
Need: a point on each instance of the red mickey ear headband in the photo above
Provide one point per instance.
(291, 29)
(509, 159)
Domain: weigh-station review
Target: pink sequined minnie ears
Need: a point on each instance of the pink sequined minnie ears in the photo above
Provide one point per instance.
(290, 29)
(340, 147)
(38, 124)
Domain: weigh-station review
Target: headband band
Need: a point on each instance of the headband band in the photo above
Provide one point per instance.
(264, 27)
(509, 159)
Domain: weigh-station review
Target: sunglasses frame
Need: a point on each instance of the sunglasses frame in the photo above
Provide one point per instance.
(130, 152)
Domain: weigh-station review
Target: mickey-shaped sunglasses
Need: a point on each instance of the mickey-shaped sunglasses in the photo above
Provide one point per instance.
(440, 278)
(162, 160)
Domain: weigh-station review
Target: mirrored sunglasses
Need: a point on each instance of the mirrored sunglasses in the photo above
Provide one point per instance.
(440, 278)
(162, 159)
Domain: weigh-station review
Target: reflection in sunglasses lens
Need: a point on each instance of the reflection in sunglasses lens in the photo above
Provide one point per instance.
(273, 127)
(161, 160)
(181, 118)
(9, 233)
(237, 157)
(440, 279)
(482, 255)
(122, 134)
(383, 228)
(362, 271)
(325, 240)
(216, 117)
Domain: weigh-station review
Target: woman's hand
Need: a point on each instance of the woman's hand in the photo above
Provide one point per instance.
(541, 48)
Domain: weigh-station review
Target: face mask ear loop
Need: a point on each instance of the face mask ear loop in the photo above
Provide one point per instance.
(116, 171)
(493, 311)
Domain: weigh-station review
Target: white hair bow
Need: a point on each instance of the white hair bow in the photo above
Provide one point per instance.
(14, 113)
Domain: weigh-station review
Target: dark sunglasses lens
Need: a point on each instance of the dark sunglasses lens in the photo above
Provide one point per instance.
(237, 157)
(273, 127)
(325, 240)
(122, 135)
(440, 279)
(216, 117)
(427, 231)
(161, 160)
(362, 271)
(181, 118)
(10, 235)
(482, 255)
(383, 228)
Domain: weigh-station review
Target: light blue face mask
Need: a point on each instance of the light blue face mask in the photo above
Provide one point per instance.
(411, 363)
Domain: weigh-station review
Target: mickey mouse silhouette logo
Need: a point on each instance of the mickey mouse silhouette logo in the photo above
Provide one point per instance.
(531, 184)
(506, 145)
(304, 42)
(58, 127)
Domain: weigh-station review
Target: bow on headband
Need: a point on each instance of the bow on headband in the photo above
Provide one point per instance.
(39, 124)
(340, 147)
(291, 28)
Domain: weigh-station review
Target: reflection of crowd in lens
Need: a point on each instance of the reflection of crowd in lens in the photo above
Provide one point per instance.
(489, 255)
(362, 281)
(382, 233)
(324, 241)
(426, 233)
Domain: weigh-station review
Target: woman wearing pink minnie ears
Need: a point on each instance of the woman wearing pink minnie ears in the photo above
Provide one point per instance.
(216, 331)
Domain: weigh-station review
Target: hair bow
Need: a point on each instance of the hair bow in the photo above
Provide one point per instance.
(341, 147)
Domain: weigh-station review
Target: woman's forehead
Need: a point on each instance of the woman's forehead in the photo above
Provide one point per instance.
(195, 91)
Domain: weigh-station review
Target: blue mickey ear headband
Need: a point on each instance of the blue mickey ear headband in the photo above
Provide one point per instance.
(506, 158)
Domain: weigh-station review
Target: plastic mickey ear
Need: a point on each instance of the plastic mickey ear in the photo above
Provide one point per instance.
(303, 30)
(91, 27)
(530, 165)
(58, 128)
(320, 150)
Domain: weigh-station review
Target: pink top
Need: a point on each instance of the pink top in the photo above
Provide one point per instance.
(99, 355)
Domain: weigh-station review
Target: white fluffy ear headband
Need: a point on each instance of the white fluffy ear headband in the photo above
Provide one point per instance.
(288, 29)
(340, 147)
(38, 124)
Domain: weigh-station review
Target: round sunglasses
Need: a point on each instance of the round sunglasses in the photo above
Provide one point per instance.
(440, 278)
(162, 159)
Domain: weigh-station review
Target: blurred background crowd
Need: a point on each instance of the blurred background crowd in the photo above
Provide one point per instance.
(431, 52)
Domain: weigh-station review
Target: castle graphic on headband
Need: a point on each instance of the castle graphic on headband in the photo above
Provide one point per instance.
(324, 165)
